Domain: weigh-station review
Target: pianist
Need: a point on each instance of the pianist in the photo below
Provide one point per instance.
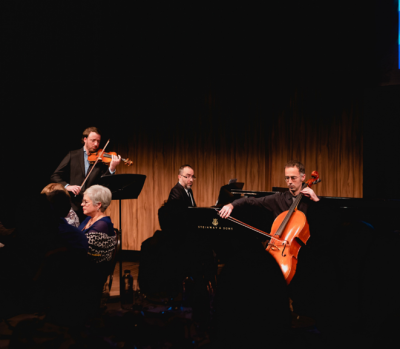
(196, 256)
(181, 195)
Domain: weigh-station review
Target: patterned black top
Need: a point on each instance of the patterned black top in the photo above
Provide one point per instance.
(101, 238)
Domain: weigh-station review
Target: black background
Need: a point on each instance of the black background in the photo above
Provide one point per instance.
(66, 66)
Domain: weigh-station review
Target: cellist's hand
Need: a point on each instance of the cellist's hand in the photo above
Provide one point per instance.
(310, 193)
(225, 211)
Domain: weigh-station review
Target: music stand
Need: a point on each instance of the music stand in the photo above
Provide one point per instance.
(123, 186)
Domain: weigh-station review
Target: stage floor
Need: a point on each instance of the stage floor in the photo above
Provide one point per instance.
(147, 323)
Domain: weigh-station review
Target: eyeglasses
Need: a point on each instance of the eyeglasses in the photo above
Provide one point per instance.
(189, 177)
(84, 202)
(292, 177)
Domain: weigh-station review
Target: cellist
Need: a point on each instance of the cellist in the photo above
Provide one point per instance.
(280, 202)
(252, 261)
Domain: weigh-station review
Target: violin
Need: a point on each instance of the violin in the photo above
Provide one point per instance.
(101, 155)
(287, 226)
(105, 157)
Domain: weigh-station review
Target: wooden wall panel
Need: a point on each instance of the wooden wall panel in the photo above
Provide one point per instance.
(245, 137)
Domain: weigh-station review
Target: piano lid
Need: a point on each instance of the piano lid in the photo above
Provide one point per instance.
(226, 195)
(380, 213)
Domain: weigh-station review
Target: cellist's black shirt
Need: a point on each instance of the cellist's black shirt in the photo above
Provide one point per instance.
(276, 203)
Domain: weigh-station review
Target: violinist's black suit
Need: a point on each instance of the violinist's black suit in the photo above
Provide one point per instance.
(71, 171)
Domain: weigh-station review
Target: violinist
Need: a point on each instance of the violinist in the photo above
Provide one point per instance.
(280, 202)
(72, 170)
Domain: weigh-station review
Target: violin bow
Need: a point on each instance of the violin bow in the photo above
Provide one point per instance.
(87, 176)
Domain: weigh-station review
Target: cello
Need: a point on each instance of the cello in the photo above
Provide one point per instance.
(287, 226)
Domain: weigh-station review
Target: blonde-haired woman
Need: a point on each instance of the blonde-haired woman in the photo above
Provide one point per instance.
(72, 217)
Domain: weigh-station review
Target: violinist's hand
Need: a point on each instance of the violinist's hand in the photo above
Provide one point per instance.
(114, 162)
(76, 189)
(225, 211)
(310, 193)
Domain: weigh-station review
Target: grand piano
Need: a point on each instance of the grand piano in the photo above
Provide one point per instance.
(336, 216)
(378, 213)
(349, 260)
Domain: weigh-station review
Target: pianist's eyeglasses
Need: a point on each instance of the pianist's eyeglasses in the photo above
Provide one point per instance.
(188, 177)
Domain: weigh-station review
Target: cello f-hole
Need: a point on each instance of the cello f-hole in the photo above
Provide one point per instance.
(284, 247)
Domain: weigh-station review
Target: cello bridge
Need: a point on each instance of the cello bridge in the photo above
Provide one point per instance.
(273, 247)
